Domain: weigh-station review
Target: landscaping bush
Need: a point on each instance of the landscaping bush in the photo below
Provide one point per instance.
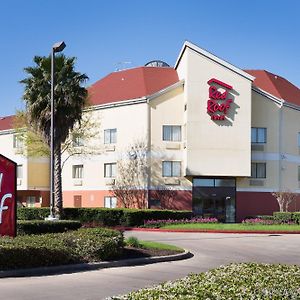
(236, 281)
(283, 217)
(106, 216)
(138, 217)
(83, 245)
(296, 217)
(39, 226)
(26, 213)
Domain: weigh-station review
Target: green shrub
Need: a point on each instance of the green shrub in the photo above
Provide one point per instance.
(133, 242)
(265, 217)
(51, 249)
(296, 217)
(137, 217)
(39, 226)
(106, 216)
(26, 213)
(236, 281)
(283, 217)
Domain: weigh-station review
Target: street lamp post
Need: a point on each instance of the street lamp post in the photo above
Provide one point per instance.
(57, 47)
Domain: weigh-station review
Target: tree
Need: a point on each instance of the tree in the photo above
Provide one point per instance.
(284, 199)
(70, 98)
(130, 187)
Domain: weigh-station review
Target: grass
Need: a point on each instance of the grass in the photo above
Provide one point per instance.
(233, 227)
(236, 281)
(151, 245)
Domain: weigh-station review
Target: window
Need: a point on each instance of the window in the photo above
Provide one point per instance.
(298, 173)
(110, 202)
(19, 171)
(77, 140)
(258, 170)
(77, 171)
(17, 141)
(110, 136)
(171, 169)
(298, 139)
(172, 133)
(110, 170)
(30, 201)
(258, 135)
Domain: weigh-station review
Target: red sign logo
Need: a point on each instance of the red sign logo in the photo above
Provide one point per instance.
(218, 104)
(7, 197)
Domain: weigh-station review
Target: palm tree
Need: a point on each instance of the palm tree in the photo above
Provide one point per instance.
(70, 98)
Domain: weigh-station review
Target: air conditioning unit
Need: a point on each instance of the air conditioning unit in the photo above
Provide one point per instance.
(173, 146)
(110, 148)
(110, 181)
(77, 182)
(171, 181)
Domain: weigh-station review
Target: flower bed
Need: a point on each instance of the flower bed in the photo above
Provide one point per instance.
(160, 223)
(236, 281)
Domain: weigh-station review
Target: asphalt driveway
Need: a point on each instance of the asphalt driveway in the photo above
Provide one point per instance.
(210, 250)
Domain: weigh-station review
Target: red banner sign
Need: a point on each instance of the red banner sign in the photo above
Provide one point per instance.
(218, 104)
(7, 196)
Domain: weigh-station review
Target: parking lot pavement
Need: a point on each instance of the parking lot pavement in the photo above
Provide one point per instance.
(210, 250)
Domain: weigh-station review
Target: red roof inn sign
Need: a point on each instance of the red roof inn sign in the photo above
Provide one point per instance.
(218, 104)
(7, 196)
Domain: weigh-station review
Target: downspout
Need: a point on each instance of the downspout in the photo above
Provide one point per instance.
(280, 147)
(148, 196)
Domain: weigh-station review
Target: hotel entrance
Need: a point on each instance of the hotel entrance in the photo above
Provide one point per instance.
(214, 197)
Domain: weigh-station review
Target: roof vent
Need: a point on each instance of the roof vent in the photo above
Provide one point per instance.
(157, 63)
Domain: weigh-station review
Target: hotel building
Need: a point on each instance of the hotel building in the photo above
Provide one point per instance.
(220, 138)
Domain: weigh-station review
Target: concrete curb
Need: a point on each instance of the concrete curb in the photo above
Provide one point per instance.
(67, 269)
(207, 231)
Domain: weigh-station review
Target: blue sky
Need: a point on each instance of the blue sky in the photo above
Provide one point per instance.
(251, 34)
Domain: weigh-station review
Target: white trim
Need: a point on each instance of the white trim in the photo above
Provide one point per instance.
(256, 189)
(265, 156)
(166, 90)
(213, 58)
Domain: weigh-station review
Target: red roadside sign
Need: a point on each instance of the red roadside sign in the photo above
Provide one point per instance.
(8, 196)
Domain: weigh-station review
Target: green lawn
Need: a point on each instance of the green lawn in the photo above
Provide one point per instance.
(230, 227)
(133, 241)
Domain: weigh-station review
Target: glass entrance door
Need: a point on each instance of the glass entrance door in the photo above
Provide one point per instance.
(214, 198)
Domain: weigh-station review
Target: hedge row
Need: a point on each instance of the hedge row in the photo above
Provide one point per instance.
(40, 226)
(282, 217)
(83, 245)
(286, 217)
(106, 216)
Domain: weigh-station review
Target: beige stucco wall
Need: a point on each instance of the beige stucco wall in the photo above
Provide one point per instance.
(216, 148)
(131, 124)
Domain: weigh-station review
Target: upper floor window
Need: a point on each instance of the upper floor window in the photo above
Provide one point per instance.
(110, 170)
(258, 135)
(77, 171)
(258, 170)
(19, 171)
(110, 136)
(171, 168)
(77, 140)
(172, 133)
(17, 141)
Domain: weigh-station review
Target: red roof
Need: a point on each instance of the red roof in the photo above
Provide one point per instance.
(131, 84)
(6, 122)
(276, 85)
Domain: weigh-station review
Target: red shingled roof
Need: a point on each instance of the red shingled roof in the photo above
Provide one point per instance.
(131, 84)
(6, 122)
(276, 85)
